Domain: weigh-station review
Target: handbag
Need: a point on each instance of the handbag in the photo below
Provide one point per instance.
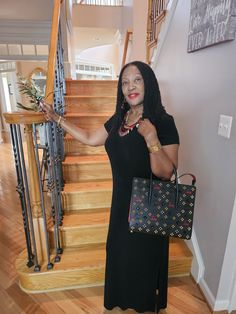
(163, 208)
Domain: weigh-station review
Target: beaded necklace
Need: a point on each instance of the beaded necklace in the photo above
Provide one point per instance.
(125, 128)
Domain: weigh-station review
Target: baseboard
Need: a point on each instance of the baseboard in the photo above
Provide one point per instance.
(197, 272)
(215, 305)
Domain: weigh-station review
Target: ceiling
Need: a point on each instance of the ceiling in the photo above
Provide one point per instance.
(26, 9)
(41, 11)
(87, 37)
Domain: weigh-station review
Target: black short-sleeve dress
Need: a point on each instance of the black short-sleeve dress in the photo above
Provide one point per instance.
(136, 264)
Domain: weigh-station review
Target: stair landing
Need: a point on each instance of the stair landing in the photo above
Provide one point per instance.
(86, 266)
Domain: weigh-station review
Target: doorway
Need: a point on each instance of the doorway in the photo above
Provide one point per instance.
(8, 96)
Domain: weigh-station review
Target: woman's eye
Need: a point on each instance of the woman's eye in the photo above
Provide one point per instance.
(138, 80)
(124, 83)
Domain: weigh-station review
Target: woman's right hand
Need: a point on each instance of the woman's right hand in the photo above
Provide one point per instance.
(48, 111)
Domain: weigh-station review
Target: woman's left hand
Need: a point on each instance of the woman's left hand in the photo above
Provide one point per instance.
(148, 131)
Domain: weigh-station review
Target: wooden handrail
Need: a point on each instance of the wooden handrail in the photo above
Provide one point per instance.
(127, 38)
(52, 52)
(24, 117)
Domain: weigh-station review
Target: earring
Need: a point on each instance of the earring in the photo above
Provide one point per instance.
(124, 103)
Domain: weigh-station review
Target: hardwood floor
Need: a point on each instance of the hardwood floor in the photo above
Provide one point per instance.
(184, 296)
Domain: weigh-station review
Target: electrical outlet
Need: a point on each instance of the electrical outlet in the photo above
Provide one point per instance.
(225, 125)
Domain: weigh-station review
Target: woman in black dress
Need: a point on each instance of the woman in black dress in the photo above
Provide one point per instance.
(139, 138)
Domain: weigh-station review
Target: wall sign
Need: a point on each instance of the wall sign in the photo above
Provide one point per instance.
(211, 22)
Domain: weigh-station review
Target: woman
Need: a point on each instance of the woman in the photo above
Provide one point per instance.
(139, 138)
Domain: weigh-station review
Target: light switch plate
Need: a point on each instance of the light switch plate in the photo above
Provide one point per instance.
(225, 125)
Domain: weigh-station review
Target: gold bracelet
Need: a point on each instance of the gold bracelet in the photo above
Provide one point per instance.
(154, 148)
(59, 121)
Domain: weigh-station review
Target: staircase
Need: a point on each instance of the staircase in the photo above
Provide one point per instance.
(86, 200)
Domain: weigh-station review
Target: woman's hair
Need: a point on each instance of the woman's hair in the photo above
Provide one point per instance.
(152, 105)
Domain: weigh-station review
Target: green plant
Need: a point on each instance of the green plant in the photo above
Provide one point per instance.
(32, 91)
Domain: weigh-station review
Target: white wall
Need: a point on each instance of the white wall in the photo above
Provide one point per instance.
(97, 16)
(103, 54)
(9, 96)
(25, 68)
(227, 284)
(196, 88)
(140, 12)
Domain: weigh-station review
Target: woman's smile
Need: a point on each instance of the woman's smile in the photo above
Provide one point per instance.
(133, 95)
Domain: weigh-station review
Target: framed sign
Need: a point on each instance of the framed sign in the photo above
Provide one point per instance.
(211, 22)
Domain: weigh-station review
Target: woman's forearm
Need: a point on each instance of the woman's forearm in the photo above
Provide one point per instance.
(161, 165)
(95, 137)
(162, 159)
(79, 134)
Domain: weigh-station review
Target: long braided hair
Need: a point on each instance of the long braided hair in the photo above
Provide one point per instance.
(152, 105)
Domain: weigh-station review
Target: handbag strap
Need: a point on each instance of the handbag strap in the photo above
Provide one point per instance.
(175, 182)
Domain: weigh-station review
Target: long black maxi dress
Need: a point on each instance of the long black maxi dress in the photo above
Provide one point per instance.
(136, 264)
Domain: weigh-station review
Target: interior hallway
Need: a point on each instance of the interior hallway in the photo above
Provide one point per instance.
(184, 296)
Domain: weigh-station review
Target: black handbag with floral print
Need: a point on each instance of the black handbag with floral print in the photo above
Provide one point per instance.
(163, 208)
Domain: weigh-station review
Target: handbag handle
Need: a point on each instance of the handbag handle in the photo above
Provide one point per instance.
(176, 185)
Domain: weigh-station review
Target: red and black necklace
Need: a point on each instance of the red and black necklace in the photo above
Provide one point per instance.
(125, 128)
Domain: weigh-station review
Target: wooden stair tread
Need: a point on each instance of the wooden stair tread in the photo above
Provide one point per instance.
(81, 187)
(89, 114)
(81, 257)
(91, 82)
(89, 96)
(81, 267)
(85, 220)
(179, 250)
(86, 159)
(71, 259)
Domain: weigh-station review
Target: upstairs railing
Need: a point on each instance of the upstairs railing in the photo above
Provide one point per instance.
(156, 13)
(128, 35)
(100, 2)
(40, 162)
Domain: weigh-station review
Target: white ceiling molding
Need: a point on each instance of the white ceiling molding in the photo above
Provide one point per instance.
(25, 32)
(21, 58)
(23, 52)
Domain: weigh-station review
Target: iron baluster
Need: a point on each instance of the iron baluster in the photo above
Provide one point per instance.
(52, 187)
(49, 265)
(28, 208)
(20, 190)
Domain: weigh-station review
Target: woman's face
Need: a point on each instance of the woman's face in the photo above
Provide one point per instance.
(133, 86)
